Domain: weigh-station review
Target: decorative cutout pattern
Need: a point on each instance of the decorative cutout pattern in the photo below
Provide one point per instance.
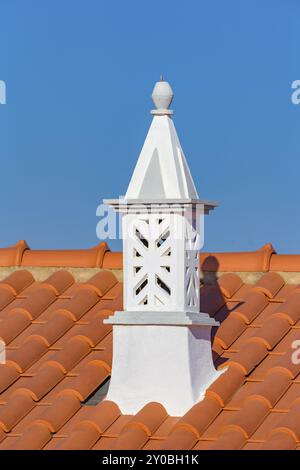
(149, 269)
(161, 262)
(192, 274)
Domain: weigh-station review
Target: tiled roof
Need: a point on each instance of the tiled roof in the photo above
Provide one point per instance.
(59, 353)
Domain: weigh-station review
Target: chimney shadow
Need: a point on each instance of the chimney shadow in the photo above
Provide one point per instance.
(212, 300)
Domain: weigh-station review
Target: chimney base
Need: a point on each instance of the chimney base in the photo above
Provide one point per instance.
(169, 364)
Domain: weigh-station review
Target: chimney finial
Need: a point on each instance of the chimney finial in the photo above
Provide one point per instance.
(162, 97)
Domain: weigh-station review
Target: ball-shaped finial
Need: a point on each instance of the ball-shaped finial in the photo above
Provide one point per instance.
(162, 97)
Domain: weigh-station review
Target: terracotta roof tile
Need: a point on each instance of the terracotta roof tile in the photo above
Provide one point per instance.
(238, 262)
(139, 429)
(17, 281)
(282, 263)
(19, 406)
(49, 375)
(290, 309)
(273, 387)
(252, 305)
(190, 427)
(59, 281)
(247, 420)
(8, 375)
(93, 375)
(36, 437)
(71, 258)
(263, 431)
(231, 438)
(250, 356)
(102, 282)
(285, 363)
(229, 331)
(280, 440)
(291, 421)
(74, 351)
(180, 438)
(289, 397)
(274, 329)
(6, 297)
(14, 324)
(270, 284)
(229, 284)
(87, 432)
(59, 353)
(33, 349)
(12, 255)
(113, 260)
(62, 408)
(226, 385)
(38, 301)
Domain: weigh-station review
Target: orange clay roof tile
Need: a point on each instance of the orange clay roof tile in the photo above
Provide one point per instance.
(64, 258)
(33, 349)
(200, 416)
(229, 331)
(285, 362)
(232, 438)
(141, 427)
(250, 355)
(59, 352)
(290, 309)
(149, 418)
(84, 436)
(252, 305)
(273, 387)
(103, 415)
(6, 297)
(270, 284)
(102, 282)
(18, 406)
(12, 255)
(38, 301)
(59, 281)
(280, 440)
(256, 261)
(226, 385)
(113, 260)
(95, 330)
(262, 260)
(249, 417)
(18, 281)
(229, 284)
(273, 331)
(180, 438)
(61, 410)
(285, 263)
(93, 375)
(49, 375)
(74, 351)
(16, 322)
(81, 303)
(56, 327)
(8, 375)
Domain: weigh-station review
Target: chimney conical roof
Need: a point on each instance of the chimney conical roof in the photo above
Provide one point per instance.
(161, 171)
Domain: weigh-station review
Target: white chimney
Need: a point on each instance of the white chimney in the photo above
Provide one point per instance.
(161, 341)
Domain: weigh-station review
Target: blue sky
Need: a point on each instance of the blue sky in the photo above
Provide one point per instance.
(79, 76)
